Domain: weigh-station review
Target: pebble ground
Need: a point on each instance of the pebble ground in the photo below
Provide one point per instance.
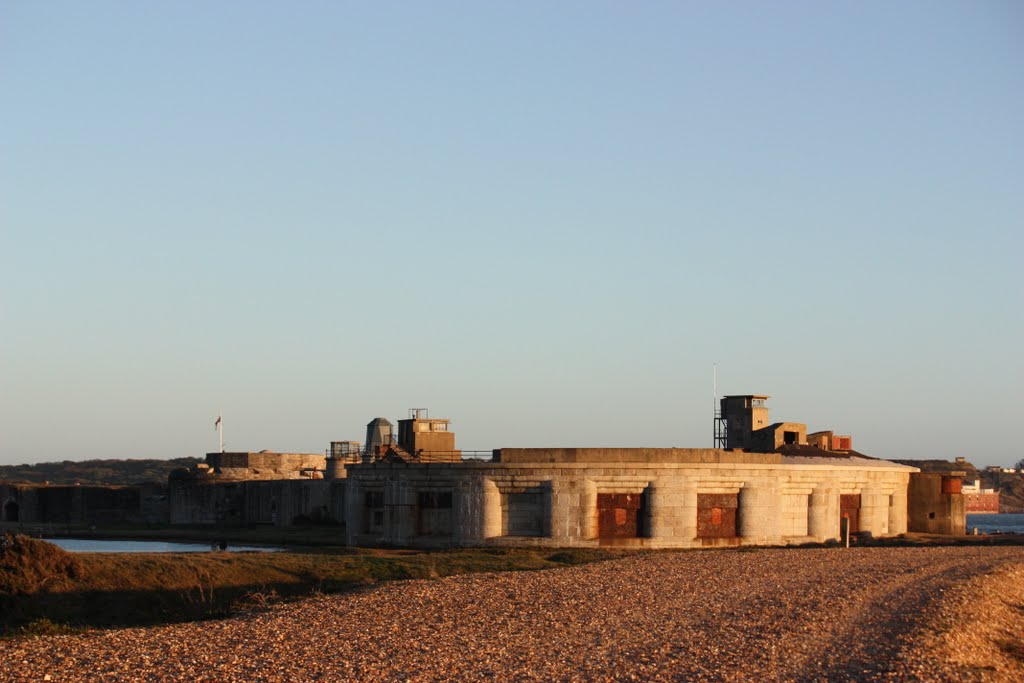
(864, 614)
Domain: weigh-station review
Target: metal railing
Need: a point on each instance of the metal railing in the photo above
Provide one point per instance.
(368, 455)
(464, 455)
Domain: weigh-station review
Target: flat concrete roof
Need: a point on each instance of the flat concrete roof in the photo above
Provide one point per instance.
(844, 461)
(634, 455)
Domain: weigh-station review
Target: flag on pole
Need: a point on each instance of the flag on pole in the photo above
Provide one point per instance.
(217, 423)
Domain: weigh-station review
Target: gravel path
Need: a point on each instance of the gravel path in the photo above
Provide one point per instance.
(763, 615)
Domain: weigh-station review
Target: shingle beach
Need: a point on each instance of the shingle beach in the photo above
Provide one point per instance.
(865, 614)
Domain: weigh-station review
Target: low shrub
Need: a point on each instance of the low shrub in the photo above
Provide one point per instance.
(45, 627)
(28, 566)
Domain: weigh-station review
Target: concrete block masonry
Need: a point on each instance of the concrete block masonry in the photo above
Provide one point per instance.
(777, 501)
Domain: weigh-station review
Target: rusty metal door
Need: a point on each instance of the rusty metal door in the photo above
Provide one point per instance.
(716, 515)
(619, 515)
(849, 508)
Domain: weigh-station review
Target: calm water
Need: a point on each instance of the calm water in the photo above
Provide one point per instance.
(987, 524)
(79, 545)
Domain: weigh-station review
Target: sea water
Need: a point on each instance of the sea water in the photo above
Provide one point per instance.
(1002, 523)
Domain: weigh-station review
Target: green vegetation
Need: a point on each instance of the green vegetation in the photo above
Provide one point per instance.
(96, 472)
(44, 588)
(45, 627)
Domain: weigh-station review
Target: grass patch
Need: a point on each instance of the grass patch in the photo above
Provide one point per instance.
(45, 627)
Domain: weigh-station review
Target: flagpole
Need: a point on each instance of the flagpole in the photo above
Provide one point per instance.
(219, 426)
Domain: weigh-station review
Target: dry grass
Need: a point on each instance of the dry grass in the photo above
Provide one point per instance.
(29, 566)
(118, 589)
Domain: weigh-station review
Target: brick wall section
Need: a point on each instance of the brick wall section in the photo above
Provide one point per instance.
(982, 502)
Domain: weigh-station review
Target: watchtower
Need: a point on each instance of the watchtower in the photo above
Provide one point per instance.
(739, 416)
(341, 453)
(427, 439)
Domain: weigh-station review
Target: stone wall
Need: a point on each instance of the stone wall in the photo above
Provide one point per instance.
(589, 497)
(654, 498)
(934, 507)
(772, 437)
(241, 503)
(265, 464)
(78, 505)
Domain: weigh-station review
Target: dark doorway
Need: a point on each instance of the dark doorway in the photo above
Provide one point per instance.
(373, 512)
(849, 508)
(525, 513)
(434, 513)
(11, 511)
(619, 515)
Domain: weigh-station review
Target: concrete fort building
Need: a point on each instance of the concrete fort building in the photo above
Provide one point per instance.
(764, 484)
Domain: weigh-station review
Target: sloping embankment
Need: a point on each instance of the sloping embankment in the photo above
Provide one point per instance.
(38, 580)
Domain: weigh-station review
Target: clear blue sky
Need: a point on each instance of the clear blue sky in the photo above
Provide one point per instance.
(543, 220)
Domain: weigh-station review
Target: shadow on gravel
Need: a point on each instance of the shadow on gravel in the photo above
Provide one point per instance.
(1013, 648)
(118, 608)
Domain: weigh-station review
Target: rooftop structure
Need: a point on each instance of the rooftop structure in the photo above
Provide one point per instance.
(379, 435)
(425, 439)
(741, 422)
(737, 419)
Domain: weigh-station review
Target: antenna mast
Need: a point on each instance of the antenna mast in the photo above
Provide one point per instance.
(714, 404)
(714, 385)
(720, 423)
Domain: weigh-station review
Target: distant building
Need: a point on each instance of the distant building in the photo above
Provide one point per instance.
(979, 500)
